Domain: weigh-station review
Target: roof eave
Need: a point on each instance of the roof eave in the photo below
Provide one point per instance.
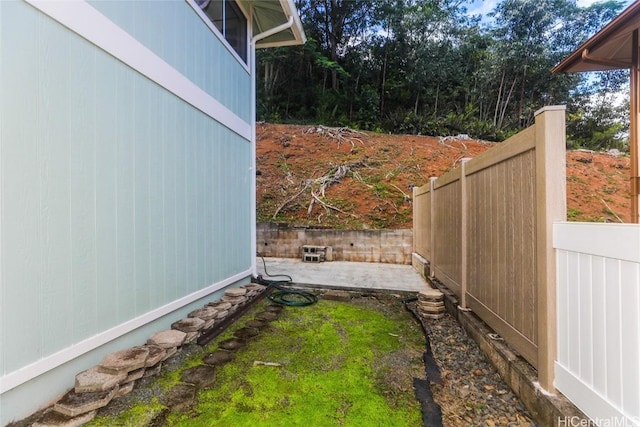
(572, 62)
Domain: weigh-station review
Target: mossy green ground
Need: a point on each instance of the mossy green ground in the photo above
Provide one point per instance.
(342, 364)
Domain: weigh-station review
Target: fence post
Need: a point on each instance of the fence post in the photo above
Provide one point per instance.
(432, 234)
(550, 206)
(464, 232)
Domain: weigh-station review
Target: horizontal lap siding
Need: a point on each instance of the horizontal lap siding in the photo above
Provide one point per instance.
(501, 243)
(116, 197)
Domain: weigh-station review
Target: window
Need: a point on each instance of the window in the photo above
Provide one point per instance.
(229, 20)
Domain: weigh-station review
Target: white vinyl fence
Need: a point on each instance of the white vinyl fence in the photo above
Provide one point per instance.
(598, 306)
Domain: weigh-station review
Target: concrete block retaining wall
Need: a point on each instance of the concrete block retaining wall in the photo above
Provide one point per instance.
(385, 246)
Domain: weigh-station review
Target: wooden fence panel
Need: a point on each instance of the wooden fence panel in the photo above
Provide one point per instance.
(448, 233)
(501, 248)
(422, 221)
(493, 248)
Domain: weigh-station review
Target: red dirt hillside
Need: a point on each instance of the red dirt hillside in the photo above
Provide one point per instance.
(341, 178)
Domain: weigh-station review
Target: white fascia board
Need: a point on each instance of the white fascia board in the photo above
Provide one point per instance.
(81, 18)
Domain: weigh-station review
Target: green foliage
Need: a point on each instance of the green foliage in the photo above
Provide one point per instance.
(428, 68)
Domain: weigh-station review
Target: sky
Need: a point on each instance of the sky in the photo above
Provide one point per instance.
(483, 7)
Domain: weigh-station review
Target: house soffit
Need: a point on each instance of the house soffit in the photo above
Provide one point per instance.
(268, 14)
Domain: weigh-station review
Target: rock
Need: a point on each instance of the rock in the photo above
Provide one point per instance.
(73, 404)
(167, 339)
(201, 376)
(190, 324)
(56, 419)
(209, 323)
(206, 313)
(124, 361)
(93, 380)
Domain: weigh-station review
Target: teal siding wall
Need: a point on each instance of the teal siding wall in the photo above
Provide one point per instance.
(116, 197)
(160, 26)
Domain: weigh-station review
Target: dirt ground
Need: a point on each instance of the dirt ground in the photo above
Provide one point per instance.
(341, 178)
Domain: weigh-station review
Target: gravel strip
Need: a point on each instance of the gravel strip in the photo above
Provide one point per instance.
(472, 393)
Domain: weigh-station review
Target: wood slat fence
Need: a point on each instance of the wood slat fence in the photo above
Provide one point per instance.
(486, 230)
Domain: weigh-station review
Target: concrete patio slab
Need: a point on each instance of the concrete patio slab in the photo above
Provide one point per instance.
(346, 274)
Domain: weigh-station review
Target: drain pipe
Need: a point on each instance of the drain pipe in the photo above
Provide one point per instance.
(252, 170)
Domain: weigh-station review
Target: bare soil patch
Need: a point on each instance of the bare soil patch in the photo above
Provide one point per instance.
(373, 188)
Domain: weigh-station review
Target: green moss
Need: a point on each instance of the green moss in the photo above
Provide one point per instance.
(334, 369)
(140, 415)
(328, 354)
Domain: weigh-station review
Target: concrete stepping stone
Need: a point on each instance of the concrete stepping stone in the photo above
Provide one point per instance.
(246, 333)
(124, 361)
(232, 344)
(222, 314)
(190, 324)
(73, 404)
(218, 357)
(255, 287)
(56, 419)
(134, 375)
(180, 397)
(235, 292)
(124, 389)
(155, 370)
(253, 323)
(274, 308)
(93, 380)
(206, 313)
(220, 305)
(267, 316)
(430, 295)
(156, 355)
(167, 339)
(170, 353)
(191, 337)
(201, 376)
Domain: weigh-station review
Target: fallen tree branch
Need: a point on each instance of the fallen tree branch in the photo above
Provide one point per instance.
(286, 202)
(328, 206)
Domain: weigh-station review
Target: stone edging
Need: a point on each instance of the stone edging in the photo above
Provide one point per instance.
(116, 375)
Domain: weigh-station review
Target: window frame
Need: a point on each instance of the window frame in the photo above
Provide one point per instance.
(207, 21)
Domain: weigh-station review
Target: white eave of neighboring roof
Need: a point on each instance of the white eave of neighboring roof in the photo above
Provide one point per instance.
(609, 49)
(271, 13)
